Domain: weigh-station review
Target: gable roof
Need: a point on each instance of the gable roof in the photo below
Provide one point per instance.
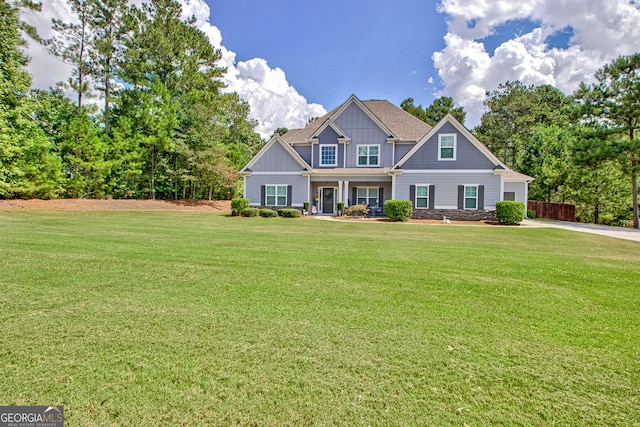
(464, 131)
(393, 120)
(276, 139)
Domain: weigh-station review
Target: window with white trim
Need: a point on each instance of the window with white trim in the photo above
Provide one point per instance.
(276, 195)
(329, 155)
(422, 197)
(471, 197)
(447, 146)
(368, 195)
(368, 155)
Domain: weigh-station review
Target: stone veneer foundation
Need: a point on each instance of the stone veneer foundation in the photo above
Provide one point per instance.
(455, 214)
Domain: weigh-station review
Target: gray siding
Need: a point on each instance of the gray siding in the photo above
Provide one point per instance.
(362, 130)
(467, 155)
(299, 187)
(276, 159)
(517, 187)
(304, 151)
(446, 186)
(328, 136)
(401, 150)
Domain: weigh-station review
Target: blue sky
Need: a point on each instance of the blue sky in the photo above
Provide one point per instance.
(295, 59)
(331, 49)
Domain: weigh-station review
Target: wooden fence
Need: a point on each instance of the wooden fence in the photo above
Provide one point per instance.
(558, 211)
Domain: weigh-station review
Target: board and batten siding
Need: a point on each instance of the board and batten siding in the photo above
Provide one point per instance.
(446, 186)
(304, 151)
(276, 159)
(401, 150)
(468, 156)
(328, 136)
(299, 187)
(362, 130)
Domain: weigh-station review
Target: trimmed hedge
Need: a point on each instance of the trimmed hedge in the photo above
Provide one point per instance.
(531, 213)
(290, 213)
(268, 213)
(510, 212)
(238, 205)
(398, 210)
(249, 212)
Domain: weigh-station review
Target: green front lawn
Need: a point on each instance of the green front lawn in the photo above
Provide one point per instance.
(183, 318)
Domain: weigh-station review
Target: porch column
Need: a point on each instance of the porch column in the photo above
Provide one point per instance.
(340, 191)
(346, 193)
(393, 186)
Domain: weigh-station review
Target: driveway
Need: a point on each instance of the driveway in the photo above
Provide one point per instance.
(603, 230)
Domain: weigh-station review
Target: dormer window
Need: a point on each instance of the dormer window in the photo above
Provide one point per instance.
(328, 155)
(447, 146)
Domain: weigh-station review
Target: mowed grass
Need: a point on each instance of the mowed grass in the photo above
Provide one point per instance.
(192, 318)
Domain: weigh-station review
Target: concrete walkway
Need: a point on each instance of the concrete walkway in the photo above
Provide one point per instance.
(603, 230)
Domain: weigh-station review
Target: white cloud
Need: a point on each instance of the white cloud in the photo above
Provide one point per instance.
(602, 31)
(274, 102)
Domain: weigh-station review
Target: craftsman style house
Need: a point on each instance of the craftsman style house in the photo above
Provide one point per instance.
(372, 151)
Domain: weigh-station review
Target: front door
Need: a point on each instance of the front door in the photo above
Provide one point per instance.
(328, 200)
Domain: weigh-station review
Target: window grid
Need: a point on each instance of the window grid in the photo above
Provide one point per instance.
(422, 196)
(368, 155)
(328, 155)
(471, 197)
(447, 147)
(276, 195)
(368, 195)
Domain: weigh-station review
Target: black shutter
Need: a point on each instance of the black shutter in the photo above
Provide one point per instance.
(354, 200)
(381, 197)
(412, 195)
(460, 196)
(432, 197)
(481, 197)
(263, 193)
(289, 194)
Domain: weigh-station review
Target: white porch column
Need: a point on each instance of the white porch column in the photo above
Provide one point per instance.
(340, 191)
(346, 193)
(393, 186)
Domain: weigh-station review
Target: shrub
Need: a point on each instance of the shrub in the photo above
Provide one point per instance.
(531, 213)
(238, 205)
(510, 212)
(398, 210)
(290, 213)
(268, 213)
(357, 210)
(248, 212)
(340, 208)
(606, 219)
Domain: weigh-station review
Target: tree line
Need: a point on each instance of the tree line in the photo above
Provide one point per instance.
(149, 118)
(582, 149)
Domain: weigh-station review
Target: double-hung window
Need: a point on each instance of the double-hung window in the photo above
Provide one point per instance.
(368, 195)
(276, 195)
(328, 155)
(471, 197)
(422, 196)
(368, 155)
(447, 146)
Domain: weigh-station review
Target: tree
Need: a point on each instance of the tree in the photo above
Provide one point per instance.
(72, 44)
(612, 107)
(435, 112)
(107, 22)
(28, 167)
(513, 113)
